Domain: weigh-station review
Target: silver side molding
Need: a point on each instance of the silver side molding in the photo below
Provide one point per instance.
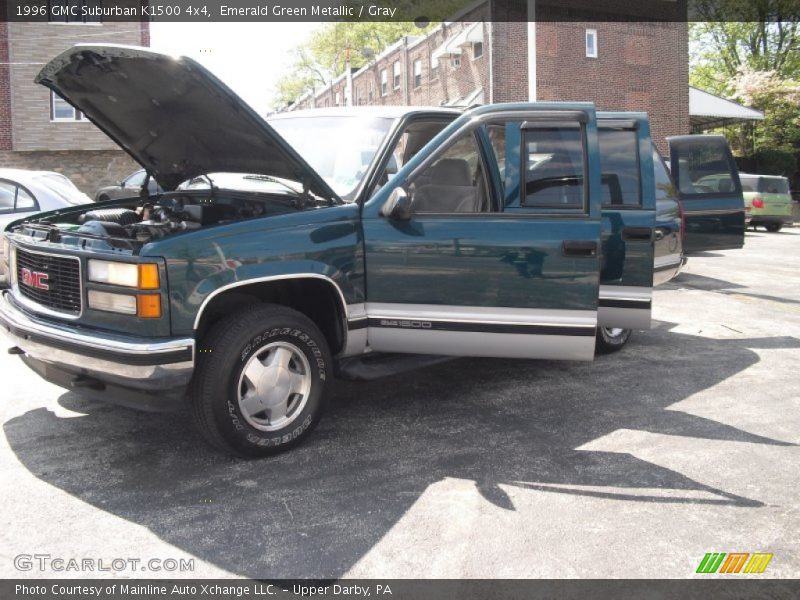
(628, 307)
(481, 331)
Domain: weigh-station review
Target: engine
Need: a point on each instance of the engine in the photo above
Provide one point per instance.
(117, 227)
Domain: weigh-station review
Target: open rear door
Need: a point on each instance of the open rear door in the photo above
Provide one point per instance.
(709, 190)
(629, 220)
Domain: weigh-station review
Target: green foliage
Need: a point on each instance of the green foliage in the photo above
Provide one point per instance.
(775, 162)
(749, 51)
(731, 35)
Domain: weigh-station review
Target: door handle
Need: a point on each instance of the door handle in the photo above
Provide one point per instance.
(579, 248)
(637, 233)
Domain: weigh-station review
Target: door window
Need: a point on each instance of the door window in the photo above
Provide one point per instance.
(8, 192)
(554, 168)
(619, 163)
(414, 137)
(455, 182)
(665, 190)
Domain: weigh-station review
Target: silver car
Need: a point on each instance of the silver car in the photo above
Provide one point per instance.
(23, 193)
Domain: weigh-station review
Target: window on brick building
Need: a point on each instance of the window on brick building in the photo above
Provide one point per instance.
(591, 43)
(477, 50)
(434, 68)
(417, 73)
(396, 75)
(338, 99)
(61, 110)
(72, 11)
(370, 92)
(455, 61)
(384, 83)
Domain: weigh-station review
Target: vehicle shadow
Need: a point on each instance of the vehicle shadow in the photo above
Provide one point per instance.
(712, 284)
(317, 510)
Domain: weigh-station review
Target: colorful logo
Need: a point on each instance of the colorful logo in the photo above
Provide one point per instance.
(735, 562)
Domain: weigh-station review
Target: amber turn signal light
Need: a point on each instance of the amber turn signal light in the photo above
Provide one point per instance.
(148, 277)
(148, 306)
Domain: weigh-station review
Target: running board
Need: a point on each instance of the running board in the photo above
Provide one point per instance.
(383, 364)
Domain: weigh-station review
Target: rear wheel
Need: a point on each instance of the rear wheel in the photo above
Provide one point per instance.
(774, 227)
(611, 339)
(260, 381)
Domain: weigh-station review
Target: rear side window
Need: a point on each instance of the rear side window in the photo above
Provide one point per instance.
(619, 161)
(136, 180)
(14, 198)
(705, 169)
(554, 168)
(749, 184)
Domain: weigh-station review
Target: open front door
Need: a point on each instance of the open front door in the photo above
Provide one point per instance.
(629, 220)
(495, 250)
(710, 192)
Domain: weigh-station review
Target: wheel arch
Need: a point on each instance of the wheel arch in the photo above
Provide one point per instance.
(315, 295)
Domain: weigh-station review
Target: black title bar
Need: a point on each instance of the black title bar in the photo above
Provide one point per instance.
(422, 11)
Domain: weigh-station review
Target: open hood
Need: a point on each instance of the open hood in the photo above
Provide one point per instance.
(173, 116)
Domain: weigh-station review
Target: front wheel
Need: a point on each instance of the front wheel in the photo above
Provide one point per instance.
(774, 227)
(611, 339)
(260, 381)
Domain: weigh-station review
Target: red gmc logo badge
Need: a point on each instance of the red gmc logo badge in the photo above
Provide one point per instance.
(34, 279)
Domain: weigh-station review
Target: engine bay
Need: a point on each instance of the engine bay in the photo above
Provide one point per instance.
(131, 224)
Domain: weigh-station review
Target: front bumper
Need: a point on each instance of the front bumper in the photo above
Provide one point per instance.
(142, 364)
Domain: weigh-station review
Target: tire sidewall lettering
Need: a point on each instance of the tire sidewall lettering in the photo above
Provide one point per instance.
(306, 344)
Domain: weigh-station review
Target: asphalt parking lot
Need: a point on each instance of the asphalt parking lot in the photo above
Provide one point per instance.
(635, 465)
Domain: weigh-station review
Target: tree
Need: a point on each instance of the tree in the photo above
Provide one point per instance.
(779, 100)
(324, 56)
(732, 35)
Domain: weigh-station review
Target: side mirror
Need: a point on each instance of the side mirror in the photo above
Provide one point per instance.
(398, 206)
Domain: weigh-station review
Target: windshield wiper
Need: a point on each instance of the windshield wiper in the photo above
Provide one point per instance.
(304, 195)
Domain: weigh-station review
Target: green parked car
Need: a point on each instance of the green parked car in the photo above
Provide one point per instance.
(767, 200)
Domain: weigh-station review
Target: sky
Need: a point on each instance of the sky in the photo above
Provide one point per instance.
(248, 57)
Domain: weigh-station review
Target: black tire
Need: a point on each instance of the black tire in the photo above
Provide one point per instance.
(611, 340)
(774, 227)
(225, 351)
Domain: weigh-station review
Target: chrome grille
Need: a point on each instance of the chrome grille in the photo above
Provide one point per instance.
(63, 293)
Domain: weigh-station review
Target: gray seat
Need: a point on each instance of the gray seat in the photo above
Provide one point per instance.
(448, 188)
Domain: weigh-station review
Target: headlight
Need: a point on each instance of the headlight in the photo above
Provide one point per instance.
(144, 277)
(118, 303)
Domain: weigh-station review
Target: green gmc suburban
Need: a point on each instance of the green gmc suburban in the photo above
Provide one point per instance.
(352, 242)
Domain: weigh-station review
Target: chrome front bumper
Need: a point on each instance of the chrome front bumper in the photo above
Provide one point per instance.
(148, 365)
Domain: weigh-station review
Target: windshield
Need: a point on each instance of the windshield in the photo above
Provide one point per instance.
(338, 148)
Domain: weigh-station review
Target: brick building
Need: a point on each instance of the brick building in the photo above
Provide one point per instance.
(39, 130)
(497, 51)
